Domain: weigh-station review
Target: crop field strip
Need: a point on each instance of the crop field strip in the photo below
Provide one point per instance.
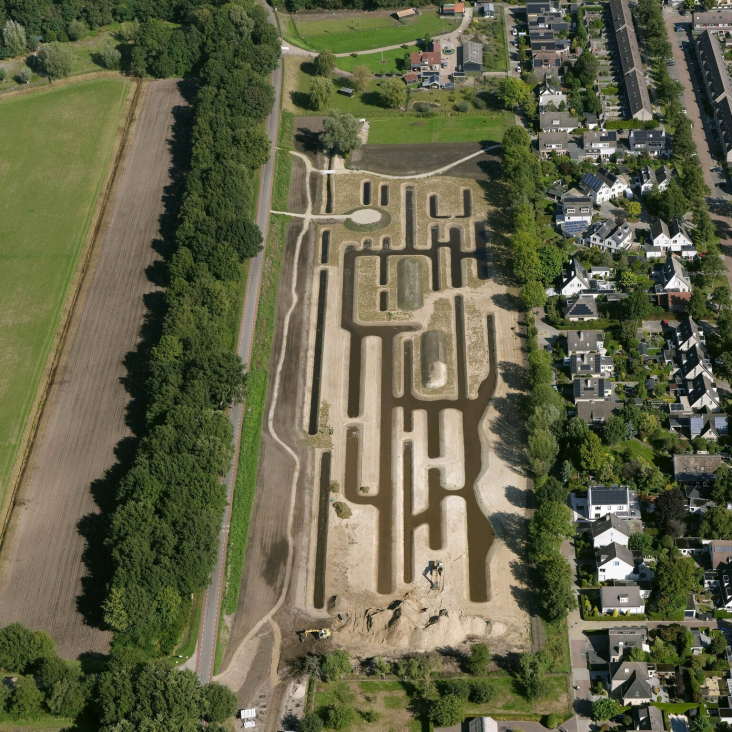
(53, 170)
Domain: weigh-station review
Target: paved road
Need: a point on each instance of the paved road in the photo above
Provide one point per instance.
(719, 203)
(206, 650)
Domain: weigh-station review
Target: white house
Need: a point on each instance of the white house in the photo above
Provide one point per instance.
(703, 394)
(623, 598)
(609, 235)
(603, 185)
(615, 562)
(591, 364)
(574, 279)
(632, 683)
(557, 122)
(585, 341)
(575, 214)
(669, 238)
(600, 144)
(550, 95)
(648, 177)
(688, 334)
(674, 277)
(610, 530)
(616, 499)
(622, 638)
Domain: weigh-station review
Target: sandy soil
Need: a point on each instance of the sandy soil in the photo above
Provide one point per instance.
(417, 615)
(41, 568)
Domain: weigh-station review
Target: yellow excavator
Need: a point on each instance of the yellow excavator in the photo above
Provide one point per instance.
(319, 633)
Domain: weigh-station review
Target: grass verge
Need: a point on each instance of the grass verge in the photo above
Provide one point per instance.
(348, 32)
(56, 147)
(557, 643)
(281, 187)
(256, 394)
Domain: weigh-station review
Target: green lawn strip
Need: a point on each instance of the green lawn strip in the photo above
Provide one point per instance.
(287, 131)
(393, 61)
(40, 723)
(675, 708)
(52, 173)
(256, 393)
(364, 31)
(187, 646)
(281, 188)
(557, 643)
(439, 129)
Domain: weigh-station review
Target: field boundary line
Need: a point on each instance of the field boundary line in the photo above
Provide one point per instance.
(71, 309)
(21, 91)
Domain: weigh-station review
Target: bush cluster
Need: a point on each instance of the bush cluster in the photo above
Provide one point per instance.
(164, 528)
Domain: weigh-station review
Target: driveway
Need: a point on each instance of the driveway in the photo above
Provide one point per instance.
(719, 203)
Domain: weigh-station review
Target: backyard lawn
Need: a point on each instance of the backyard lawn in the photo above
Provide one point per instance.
(346, 32)
(439, 129)
(398, 706)
(393, 61)
(55, 149)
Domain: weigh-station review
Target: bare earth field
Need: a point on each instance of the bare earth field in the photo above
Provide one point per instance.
(463, 443)
(85, 416)
(415, 159)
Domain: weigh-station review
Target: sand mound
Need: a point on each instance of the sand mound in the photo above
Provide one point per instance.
(434, 359)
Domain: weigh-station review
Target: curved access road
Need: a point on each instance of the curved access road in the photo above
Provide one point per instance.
(206, 647)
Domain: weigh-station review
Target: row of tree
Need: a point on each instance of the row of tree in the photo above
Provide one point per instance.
(130, 694)
(169, 506)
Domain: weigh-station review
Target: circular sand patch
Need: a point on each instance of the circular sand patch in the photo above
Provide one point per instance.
(365, 216)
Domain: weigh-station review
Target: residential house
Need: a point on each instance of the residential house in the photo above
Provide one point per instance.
(472, 56)
(550, 95)
(574, 279)
(716, 76)
(647, 717)
(633, 683)
(591, 364)
(600, 144)
(693, 362)
(649, 177)
(622, 639)
(609, 235)
(670, 237)
(615, 499)
(713, 21)
(703, 395)
(720, 552)
(625, 599)
(537, 8)
(453, 9)
(673, 289)
(581, 308)
(585, 341)
(647, 142)
(696, 470)
(575, 214)
(708, 426)
(557, 122)
(546, 63)
(699, 641)
(597, 412)
(431, 81)
(687, 335)
(603, 185)
(487, 10)
(428, 61)
(556, 192)
(553, 142)
(592, 389)
(615, 562)
(610, 529)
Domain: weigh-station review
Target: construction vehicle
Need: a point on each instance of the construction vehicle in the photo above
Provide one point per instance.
(436, 570)
(319, 633)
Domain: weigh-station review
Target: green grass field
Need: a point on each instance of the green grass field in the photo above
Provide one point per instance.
(349, 32)
(54, 153)
(439, 129)
(393, 61)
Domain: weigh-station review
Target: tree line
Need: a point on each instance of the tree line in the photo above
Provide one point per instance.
(128, 694)
(169, 506)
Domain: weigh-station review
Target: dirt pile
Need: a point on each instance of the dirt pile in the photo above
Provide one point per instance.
(434, 359)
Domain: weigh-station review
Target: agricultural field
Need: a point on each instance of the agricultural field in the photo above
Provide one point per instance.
(346, 32)
(55, 150)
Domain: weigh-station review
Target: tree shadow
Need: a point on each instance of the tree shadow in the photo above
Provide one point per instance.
(95, 526)
(507, 301)
(510, 442)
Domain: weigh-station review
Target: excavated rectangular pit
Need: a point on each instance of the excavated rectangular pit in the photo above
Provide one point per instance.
(367, 193)
(321, 551)
(325, 247)
(384, 194)
(318, 356)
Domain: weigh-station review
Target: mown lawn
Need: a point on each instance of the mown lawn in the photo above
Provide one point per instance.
(348, 32)
(393, 61)
(439, 129)
(55, 149)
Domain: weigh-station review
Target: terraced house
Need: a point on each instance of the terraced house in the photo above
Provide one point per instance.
(718, 86)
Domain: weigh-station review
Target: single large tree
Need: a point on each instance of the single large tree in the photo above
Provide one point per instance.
(13, 39)
(55, 60)
(361, 77)
(321, 91)
(512, 91)
(325, 63)
(341, 132)
(393, 93)
(670, 506)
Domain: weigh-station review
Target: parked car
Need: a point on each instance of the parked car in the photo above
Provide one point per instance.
(720, 185)
(671, 63)
(717, 169)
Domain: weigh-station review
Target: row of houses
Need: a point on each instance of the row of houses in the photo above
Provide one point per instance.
(718, 86)
(637, 98)
(555, 137)
(549, 52)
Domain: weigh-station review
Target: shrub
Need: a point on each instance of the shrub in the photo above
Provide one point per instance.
(369, 715)
(462, 106)
(343, 510)
(338, 716)
(3, 74)
(446, 711)
(24, 75)
(480, 657)
(335, 665)
(459, 688)
(111, 57)
(77, 30)
(481, 691)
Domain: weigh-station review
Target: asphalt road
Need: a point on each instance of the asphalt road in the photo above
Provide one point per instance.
(206, 649)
